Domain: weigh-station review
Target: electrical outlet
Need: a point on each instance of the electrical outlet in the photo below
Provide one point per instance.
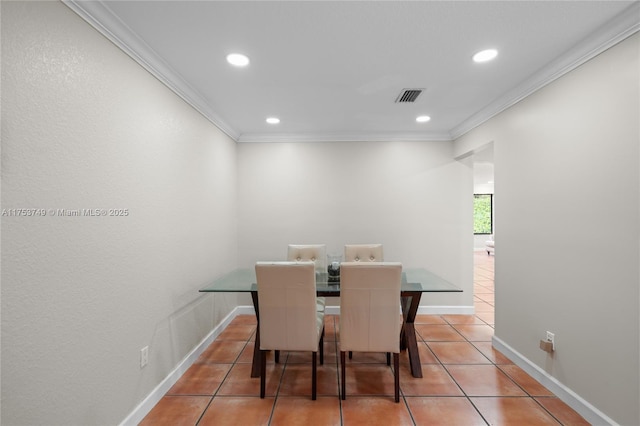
(551, 338)
(144, 356)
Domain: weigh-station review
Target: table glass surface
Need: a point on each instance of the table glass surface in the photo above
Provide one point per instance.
(413, 279)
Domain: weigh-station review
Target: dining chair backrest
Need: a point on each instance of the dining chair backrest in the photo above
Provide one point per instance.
(363, 253)
(369, 298)
(370, 320)
(287, 306)
(317, 253)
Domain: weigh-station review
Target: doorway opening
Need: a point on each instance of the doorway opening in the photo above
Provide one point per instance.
(484, 233)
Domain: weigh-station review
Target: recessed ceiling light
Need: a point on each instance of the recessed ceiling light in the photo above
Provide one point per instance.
(238, 59)
(273, 120)
(423, 118)
(485, 55)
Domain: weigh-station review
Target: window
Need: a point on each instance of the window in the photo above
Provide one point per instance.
(483, 213)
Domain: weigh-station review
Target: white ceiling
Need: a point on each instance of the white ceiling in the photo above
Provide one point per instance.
(332, 70)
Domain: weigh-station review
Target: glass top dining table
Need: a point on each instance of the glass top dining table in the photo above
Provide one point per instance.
(415, 281)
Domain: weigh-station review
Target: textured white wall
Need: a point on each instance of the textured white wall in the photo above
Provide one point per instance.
(85, 127)
(567, 175)
(413, 197)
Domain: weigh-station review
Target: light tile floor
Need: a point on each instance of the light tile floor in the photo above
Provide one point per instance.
(466, 382)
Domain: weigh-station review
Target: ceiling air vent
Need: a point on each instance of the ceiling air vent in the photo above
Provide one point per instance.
(408, 95)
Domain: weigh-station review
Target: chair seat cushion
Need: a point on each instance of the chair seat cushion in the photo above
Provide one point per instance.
(320, 323)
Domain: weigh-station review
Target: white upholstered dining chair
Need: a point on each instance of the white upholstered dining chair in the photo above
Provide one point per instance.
(287, 314)
(363, 253)
(317, 253)
(369, 317)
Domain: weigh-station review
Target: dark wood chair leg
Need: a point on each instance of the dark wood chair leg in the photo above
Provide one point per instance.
(263, 372)
(322, 347)
(277, 356)
(255, 366)
(388, 358)
(343, 374)
(350, 354)
(396, 373)
(314, 359)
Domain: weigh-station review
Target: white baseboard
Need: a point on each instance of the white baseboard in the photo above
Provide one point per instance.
(446, 310)
(569, 397)
(244, 310)
(139, 413)
(422, 310)
(163, 387)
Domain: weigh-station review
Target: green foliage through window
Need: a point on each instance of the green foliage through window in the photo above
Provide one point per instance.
(482, 213)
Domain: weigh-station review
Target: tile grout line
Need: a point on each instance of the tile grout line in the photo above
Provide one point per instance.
(336, 362)
(233, 365)
(338, 370)
(468, 398)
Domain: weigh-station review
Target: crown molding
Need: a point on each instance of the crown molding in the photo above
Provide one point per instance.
(619, 28)
(343, 137)
(99, 16)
